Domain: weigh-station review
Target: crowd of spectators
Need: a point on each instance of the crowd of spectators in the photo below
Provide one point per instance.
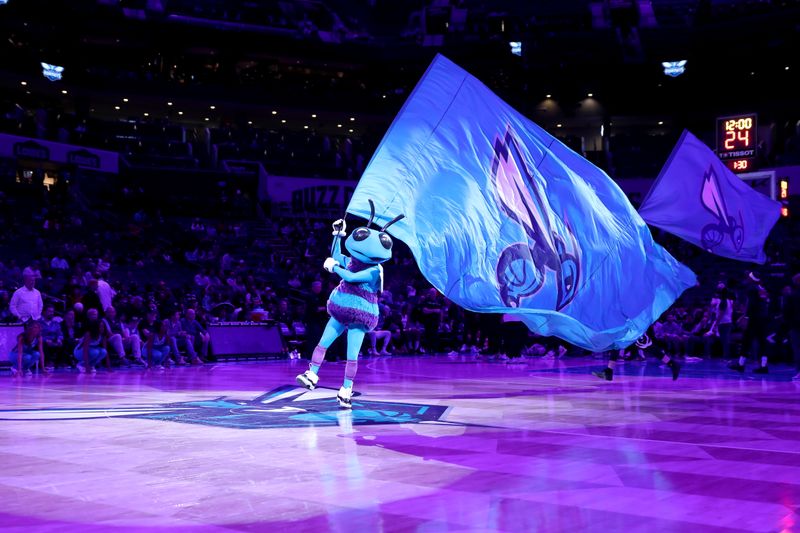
(92, 331)
(110, 309)
(158, 142)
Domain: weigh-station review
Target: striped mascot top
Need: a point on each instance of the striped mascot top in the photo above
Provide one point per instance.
(356, 304)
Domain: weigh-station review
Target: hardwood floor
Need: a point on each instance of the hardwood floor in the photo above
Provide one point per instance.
(432, 444)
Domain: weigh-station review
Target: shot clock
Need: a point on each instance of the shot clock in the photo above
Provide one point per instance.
(737, 141)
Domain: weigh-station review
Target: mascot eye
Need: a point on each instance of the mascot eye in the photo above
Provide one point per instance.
(386, 241)
(360, 234)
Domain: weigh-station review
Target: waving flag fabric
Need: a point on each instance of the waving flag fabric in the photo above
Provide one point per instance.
(698, 199)
(503, 218)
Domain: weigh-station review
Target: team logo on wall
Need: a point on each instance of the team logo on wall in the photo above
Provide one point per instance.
(674, 68)
(714, 233)
(523, 267)
(52, 72)
(285, 407)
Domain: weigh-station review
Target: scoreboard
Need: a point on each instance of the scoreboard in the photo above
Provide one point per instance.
(737, 139)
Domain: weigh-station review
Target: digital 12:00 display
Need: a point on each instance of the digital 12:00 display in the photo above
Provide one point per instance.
(737, 141)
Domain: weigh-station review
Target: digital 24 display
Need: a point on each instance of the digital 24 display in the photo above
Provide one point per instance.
(737, 139)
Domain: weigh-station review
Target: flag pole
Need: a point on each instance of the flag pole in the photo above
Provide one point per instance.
(333, 243)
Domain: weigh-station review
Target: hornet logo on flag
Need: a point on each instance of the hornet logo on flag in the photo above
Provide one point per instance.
(522, 267)
(713, 234)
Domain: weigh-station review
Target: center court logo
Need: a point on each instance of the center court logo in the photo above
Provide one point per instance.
(284, 407)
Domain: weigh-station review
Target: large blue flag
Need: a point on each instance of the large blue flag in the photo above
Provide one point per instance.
(503, 218)
(697, 198)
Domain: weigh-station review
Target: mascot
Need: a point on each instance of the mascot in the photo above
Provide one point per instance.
(353, 304)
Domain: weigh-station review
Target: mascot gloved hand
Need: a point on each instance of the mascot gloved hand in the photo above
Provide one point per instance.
(339, 228)
(353, 304)
(329, 264)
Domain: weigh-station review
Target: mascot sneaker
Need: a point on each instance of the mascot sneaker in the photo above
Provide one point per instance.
(345, 398)
(308, 379)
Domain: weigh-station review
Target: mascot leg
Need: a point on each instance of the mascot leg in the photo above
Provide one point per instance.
(333, 329)
(355, 337)
(309, 378)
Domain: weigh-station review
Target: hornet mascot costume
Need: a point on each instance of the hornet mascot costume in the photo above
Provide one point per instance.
(353, 304)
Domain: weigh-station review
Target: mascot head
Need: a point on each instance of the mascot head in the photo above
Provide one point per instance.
(369, 245)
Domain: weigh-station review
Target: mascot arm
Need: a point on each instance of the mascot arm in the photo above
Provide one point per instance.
(364, 276)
